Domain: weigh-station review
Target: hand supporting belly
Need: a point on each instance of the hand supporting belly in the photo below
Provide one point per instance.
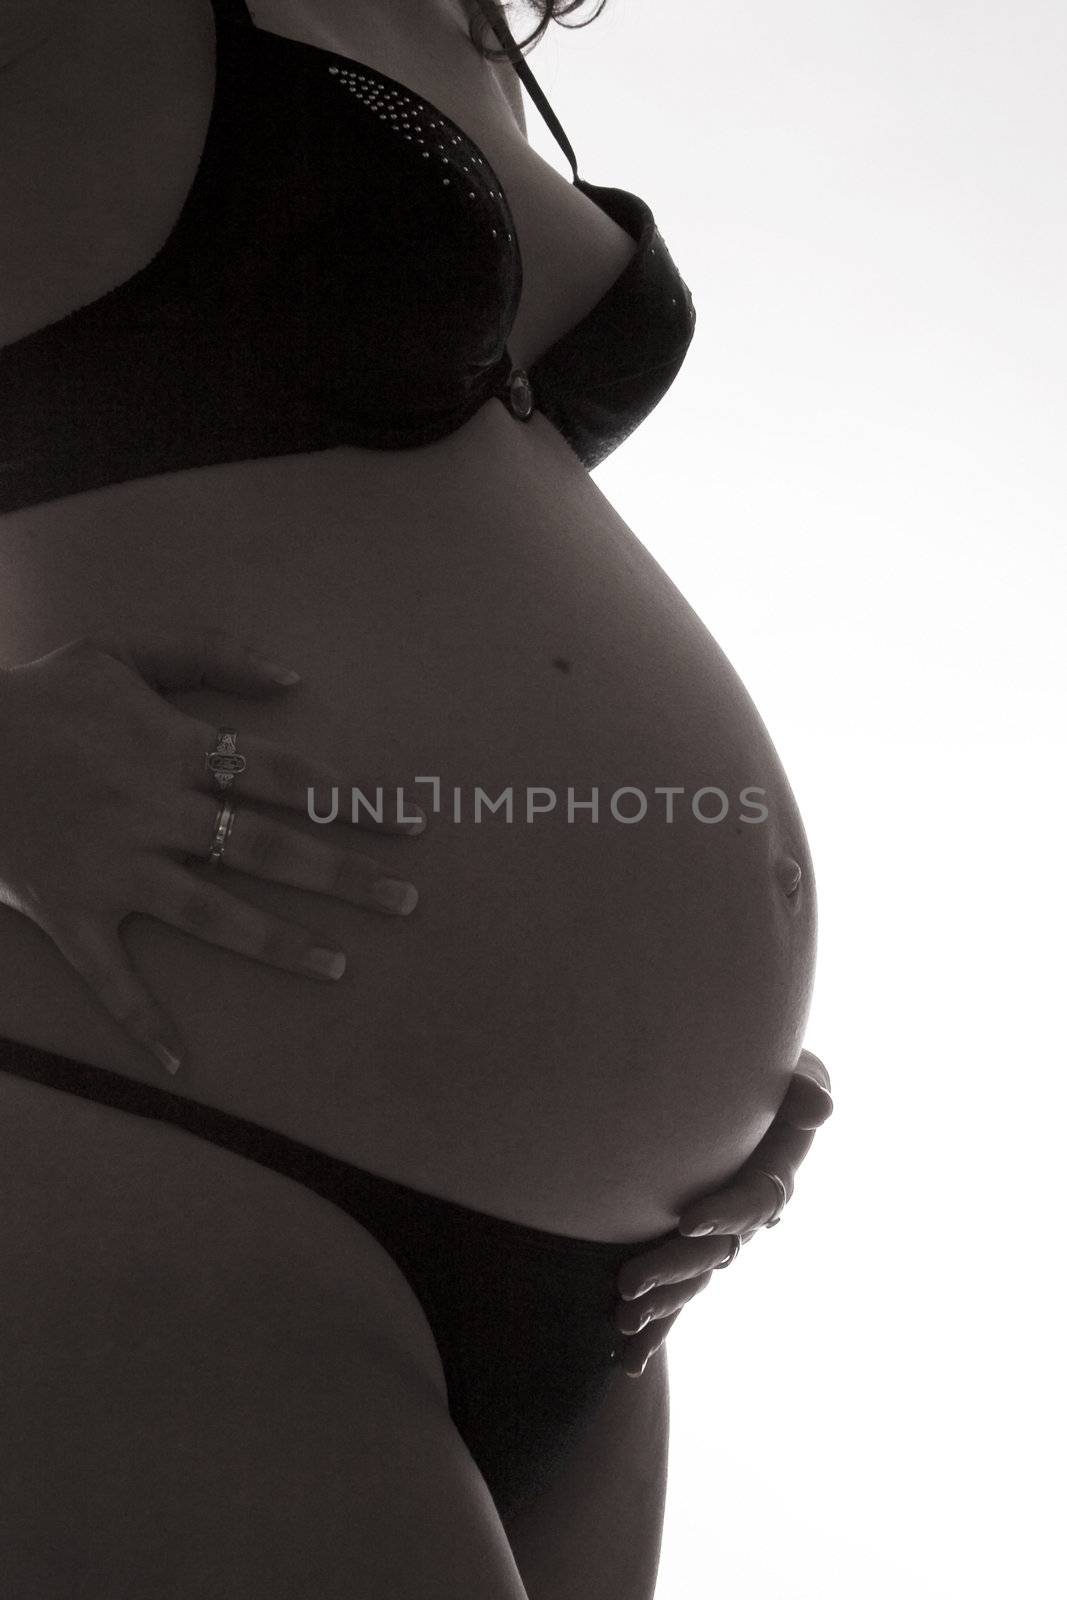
(582, 1024)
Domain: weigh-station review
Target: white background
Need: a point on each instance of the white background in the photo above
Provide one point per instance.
(858, 481)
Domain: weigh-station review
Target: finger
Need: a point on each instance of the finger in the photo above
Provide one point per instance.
(632, 1316)
(636, 1353)
(285, 778)
(748, 1202)
(782, 1150)
(744, 1201)
(209, 913)
(267, 849)
(192, 658)
(806, 1104)
(810, 1064)
(98, 955)
(671, 1263)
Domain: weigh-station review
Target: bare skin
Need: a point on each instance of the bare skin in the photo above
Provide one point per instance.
(582, 1026)
(245, 1397)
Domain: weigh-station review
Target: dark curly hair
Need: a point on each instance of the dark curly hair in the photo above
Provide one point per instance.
(548, 11)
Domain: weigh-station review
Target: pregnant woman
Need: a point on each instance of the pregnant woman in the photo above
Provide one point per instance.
(339, 1151)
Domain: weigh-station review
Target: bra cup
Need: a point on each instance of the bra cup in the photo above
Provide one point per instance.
(345, 270)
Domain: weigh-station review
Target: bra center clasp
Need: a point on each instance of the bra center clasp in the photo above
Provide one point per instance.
(520, 393)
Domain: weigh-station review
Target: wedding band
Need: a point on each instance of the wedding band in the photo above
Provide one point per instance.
(783, 1198)
(735, 1246)
(223, 824)
(223, 762)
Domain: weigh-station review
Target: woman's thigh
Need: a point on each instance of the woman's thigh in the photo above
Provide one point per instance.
(212, 1382)
(596, 1530)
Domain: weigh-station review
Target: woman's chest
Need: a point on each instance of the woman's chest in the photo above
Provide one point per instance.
(129, 120)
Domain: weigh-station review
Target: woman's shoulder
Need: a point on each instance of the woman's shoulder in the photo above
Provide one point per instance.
(510, 83)
(102, 122)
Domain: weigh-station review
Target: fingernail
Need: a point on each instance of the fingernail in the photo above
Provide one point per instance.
(396, 895)
(699, 1232)
(167, 1057)
(279, 674)
(323, 963)
(634, 1294)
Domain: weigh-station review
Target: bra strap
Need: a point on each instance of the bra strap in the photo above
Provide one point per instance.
(530, 83)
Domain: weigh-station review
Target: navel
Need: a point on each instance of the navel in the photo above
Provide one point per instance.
(789, 875)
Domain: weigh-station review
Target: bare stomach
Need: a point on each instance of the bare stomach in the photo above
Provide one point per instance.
(584, 1023)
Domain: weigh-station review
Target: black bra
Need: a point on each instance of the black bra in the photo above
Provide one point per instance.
(344, 271)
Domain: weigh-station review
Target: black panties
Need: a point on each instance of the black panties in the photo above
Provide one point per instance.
(523, 1319)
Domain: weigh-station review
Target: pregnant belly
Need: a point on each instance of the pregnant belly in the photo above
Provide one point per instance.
(589, 1018)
